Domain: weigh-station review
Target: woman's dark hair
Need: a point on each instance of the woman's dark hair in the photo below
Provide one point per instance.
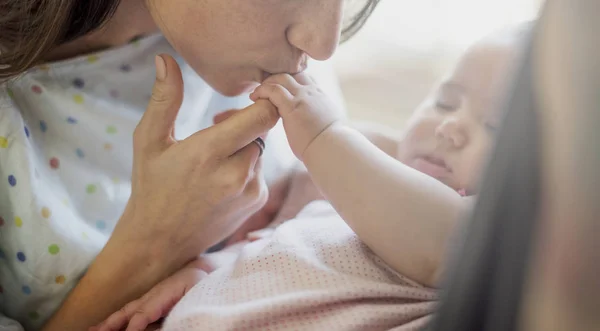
(486, 277)
(355, 22)
(30, 29)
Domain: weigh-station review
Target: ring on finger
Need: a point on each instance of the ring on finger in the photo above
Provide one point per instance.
(261, 145)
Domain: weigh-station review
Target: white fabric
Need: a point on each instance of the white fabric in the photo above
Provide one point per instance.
(65, 165)
(313, 273)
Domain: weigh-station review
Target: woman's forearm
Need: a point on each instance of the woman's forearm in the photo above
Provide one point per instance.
(123, 271)
(406, 217)
(117, 276)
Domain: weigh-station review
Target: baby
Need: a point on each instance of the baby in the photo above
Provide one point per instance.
(372, 262)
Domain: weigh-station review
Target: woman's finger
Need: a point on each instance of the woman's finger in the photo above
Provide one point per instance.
(155, 308)
(284, 80)
(240, 166)
(157, 124)
(220, 117)
(240, 129)
(304, 79)
(118, 320)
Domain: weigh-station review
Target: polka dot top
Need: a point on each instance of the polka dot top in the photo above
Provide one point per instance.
(65, 166)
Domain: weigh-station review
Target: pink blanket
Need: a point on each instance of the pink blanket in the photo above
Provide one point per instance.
(313, 273)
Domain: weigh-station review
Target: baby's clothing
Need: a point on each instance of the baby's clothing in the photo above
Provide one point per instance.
(65, 165)
(313, 273)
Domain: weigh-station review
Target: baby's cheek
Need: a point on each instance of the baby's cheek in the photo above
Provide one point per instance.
(474, 167)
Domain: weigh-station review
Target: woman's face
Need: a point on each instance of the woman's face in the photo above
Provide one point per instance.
(235, 44)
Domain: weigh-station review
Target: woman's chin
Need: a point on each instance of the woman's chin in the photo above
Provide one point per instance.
(238, 89)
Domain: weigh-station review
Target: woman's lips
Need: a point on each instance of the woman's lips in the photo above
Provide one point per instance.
(431, 166)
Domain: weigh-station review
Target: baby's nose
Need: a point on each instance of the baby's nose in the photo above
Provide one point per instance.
(453, 132)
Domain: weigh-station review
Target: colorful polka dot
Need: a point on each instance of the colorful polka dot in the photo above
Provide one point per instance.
(26, 290)
(12, 180)
(1, 221)
(54, 163)
(3, 142)
(53, 249)
(92, 58)
(125, 68)
(79, 99)
(36, 89)
(80, 153)
(11, 93)
(65, 202)
(34, 315)
(46, 213)
(136, 41)
(78, 83)
(101, 225)
(43, 126)
(91, 188)
(116, 180)
(18, 222)
(85, 236)
(114, 93)
(44, 67)
(60, 279)
(21, 257)
(108, 146)
(71, 120)
(26, 131)
(111, 129)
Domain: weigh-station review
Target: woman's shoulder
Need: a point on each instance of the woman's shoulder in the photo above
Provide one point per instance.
(12, 128)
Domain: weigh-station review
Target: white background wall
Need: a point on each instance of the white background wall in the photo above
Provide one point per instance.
(390, 65)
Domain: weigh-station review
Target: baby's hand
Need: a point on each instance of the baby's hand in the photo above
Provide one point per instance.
(306, 111)
(158, 302)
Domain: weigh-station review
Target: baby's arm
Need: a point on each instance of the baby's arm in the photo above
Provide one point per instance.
(386, 139)
(404, 216)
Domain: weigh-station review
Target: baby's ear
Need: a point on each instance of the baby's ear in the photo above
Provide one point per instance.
(220, 117)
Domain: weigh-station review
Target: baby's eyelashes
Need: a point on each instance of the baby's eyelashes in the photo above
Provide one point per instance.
(448, 98)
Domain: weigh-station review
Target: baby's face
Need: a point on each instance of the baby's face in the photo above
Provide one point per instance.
(450, 134)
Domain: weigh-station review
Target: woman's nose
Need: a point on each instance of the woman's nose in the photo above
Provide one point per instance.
(317, 33)
(453, 131)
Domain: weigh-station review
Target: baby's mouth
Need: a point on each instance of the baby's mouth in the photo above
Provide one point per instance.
(432, 166)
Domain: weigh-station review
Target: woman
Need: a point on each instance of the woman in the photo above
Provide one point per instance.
(69, 196)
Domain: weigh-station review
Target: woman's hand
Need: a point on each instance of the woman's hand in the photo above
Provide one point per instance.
(139, 314)
(186, 196)
(287, 197)
(184, 192)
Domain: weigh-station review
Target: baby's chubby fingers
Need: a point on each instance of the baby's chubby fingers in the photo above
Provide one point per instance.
(278, 95)
(288, 81)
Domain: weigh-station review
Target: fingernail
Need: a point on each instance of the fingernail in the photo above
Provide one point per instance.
(161, 68)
